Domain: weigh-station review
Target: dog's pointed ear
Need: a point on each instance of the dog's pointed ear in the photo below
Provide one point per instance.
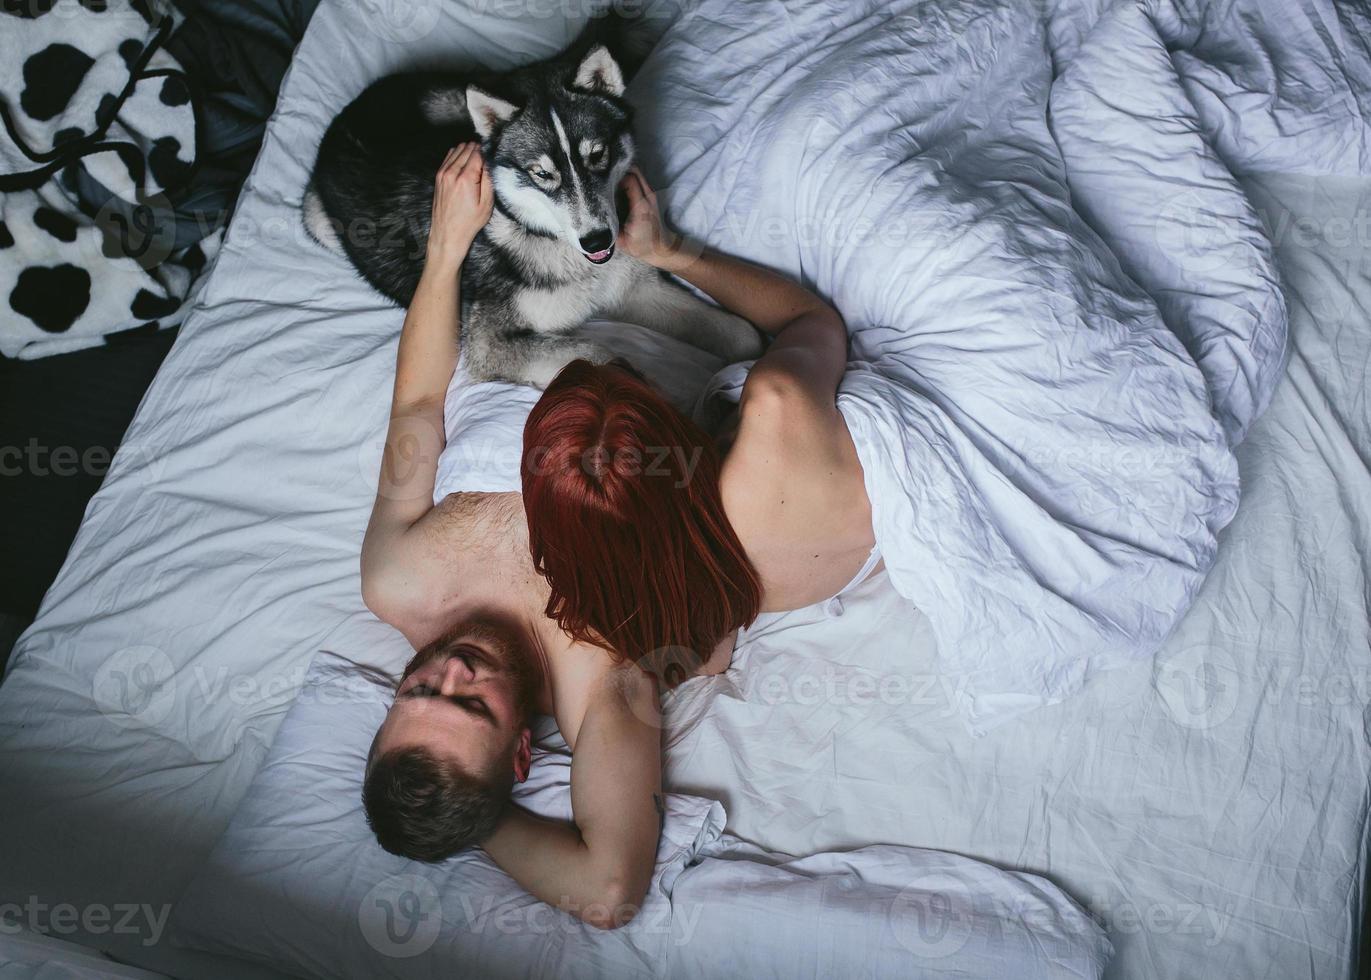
(599, 72)
(488, 111)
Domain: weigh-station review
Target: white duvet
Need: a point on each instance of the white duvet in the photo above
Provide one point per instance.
(1047, 465)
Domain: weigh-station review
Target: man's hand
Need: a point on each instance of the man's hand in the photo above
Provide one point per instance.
(462, 202)
(643, 235)
(598, 867)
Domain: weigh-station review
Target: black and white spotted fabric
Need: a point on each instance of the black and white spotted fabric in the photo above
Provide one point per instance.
(99, 127)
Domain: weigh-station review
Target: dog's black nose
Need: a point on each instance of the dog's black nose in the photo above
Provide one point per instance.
(597, 241)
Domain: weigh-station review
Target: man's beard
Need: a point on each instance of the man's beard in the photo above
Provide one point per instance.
(503, 650)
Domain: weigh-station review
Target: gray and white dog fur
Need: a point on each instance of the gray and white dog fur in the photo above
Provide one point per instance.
(557, 138)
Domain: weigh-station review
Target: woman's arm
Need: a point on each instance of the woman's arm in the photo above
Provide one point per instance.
(599, 867)
(792, 481)
(424, 363)
(809, 351)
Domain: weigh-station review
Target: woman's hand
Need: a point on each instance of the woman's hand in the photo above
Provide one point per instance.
(462, 202)
(643, 235)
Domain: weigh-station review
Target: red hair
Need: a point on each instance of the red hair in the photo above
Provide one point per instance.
(626, 521)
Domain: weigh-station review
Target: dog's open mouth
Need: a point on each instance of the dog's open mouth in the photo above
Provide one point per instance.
(601, 257)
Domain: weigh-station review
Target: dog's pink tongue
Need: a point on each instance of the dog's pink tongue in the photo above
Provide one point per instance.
(599, 256)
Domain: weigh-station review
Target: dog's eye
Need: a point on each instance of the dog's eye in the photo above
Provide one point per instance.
(596, 157)
(539, 173)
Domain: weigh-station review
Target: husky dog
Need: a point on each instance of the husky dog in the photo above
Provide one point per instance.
(556, 137)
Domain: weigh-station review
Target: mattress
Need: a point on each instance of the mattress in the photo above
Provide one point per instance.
(1208, 807)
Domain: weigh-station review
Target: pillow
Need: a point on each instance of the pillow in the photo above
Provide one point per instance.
(298, 880)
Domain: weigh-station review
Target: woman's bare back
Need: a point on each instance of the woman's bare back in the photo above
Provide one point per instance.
(794, 491)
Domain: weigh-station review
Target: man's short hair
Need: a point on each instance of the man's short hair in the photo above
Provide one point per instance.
(427, 809)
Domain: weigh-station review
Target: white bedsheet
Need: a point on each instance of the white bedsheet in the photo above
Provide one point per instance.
(716, 906)
(1209, 807)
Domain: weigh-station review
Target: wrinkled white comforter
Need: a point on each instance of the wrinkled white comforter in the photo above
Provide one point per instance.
(1063, 307)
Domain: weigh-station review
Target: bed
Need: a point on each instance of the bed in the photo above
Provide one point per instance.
(1208, 807)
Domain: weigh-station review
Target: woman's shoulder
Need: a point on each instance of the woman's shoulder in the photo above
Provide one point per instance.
(785, 438)
(792, 476)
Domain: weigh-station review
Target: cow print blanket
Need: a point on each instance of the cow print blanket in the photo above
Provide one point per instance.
(99, 128)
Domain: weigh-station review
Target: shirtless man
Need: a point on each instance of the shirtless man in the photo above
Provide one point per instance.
(456, 579)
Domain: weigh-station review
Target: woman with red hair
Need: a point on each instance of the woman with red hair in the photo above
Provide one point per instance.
(658, 543)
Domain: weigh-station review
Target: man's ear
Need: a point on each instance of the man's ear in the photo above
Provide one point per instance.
(523, 755)
(599, 72)
(488, 111)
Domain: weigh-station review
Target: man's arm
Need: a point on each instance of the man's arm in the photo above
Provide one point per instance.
(424, 363)
(599, 867)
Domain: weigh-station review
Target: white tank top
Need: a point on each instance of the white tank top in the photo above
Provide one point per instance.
(485, 436)
(485, 420)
